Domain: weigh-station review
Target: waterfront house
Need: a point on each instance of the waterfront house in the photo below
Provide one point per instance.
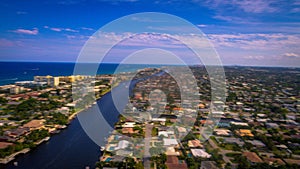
(35, 124)
(128, 125)
(4, 145)
(127, 130)
(16, 133)
(122, 144)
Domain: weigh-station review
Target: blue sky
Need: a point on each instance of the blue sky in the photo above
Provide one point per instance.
(244, 32)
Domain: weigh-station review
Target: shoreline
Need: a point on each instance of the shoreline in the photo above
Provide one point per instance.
(11, 157)
(4, 161)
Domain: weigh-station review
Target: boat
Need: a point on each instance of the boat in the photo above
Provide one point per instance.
(63, 126)
(47, 138)
(102, 148)
(55, 132)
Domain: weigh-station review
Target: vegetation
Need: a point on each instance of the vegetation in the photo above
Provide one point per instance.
(160, 160)
(58, 118)
(127, 163)
(154, 132)
(2, 100)
(156, 150)
(30, 140)
(36, 135)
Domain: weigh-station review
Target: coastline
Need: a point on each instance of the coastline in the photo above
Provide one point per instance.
(11, 157)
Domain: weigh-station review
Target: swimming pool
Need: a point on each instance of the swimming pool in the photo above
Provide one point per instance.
(108, 159)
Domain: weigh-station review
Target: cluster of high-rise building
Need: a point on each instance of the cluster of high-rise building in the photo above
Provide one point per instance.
(55, 81)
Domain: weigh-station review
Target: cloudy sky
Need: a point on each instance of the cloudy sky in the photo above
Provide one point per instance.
(243, 32)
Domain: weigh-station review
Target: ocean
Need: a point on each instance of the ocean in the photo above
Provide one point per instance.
(11, 72)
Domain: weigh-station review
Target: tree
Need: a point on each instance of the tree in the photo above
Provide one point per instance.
(242, 162)
(3, 100)
(44, 95)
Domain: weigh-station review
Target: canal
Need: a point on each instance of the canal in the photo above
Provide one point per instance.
(72, 147)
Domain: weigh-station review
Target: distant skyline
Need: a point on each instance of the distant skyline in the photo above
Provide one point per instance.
(244, 32)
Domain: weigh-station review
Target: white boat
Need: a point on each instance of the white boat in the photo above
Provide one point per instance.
(102, 148)
(46, 139)
(63, 127)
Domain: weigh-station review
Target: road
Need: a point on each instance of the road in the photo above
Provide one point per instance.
(147, 155)
(222, 151)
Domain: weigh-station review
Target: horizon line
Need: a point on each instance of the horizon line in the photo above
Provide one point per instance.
(225, 65)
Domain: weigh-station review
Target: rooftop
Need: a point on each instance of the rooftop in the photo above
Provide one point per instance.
(252, 157)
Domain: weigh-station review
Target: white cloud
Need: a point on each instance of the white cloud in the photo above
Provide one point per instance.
(230, 18)
(85, 28)
(256, 41)
(257, 46)
(291, 55)
(71, 36)
(202, 26)
(60, 29)
(255, 6)
(35, 31)
(250, 6)
(56, 29)
(257, 57)
(148, 19)
(70, 30)
(296, 3)
(295, 10)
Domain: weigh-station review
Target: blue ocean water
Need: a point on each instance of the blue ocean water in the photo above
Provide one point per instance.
(11, 72)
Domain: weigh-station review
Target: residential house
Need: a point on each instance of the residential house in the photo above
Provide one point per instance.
(194, 144)
(208, 165)
(252, 157)
(244, 132)
(35, 124)
(200, 153)
(173, 163)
